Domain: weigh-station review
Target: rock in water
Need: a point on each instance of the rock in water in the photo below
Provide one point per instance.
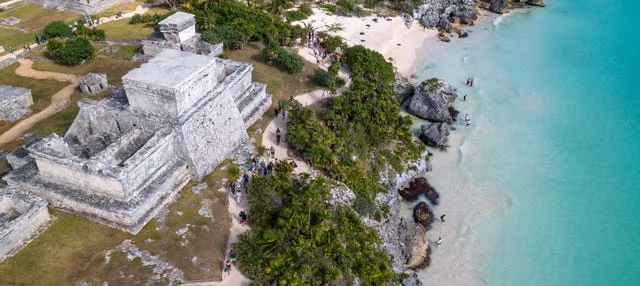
(416, 243)
(461, 32)
(417, 187)
(498, 6)
(423, 215)
(432, 100)
(435, 134)
(536, 3)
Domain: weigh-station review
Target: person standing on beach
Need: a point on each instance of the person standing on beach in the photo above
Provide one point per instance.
(442, 218)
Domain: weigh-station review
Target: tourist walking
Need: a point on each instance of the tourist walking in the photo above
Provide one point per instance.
(273, 151)
(277, 111)
(226, 271)
(278, 136)
(238, 196)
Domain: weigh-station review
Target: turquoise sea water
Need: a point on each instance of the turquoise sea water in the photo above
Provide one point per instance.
(556, 127)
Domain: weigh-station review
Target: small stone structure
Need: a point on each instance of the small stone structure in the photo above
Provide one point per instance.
(179, 33)
(86, 7)
(9, 21)
(22, 217)
(94, 83)
(125, 157)
(14, 102)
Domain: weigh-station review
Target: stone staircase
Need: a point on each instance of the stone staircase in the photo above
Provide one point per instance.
(253, 102)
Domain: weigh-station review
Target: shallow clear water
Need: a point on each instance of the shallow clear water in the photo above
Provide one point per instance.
(555, 139)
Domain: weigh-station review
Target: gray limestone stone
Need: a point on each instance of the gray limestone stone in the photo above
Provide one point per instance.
(178, 32)
(94, 83)
(14, 102)
(86, 7)
(9, 21)
(22, 217)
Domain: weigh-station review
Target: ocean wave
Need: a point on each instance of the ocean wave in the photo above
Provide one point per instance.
(498, 20)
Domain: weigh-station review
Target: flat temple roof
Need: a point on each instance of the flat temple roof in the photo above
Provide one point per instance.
(177, 19)
(169, 68)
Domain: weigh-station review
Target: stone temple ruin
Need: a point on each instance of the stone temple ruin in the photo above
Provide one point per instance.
(125, 157)
(179, 33)
(14, 103)
(80, 6)
(94, 83)
(22, 217)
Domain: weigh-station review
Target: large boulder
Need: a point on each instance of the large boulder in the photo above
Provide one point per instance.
(536, 3)
(435, 134)
(440, 13)
(413, 237)
(419, 186)
(432, 100)
(423, 215)
(430, 18)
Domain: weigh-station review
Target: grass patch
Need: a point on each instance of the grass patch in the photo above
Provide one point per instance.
(124, 51)
(122, 30)
(33, 18)
(114, 68)
(281, 84)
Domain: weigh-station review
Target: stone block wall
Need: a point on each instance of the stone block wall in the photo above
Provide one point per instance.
(14, 103)
(94, 83)
(22, 217)
(211, 133)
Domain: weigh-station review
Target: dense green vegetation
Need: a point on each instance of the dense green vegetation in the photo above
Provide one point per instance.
(328, 78)
(274, 54)
(57, 29)
(71, 52)
(226, 34)
(295, 15)
(149, 18)
(251, 24)
(297, 238)
(360, 133)
(91, 34)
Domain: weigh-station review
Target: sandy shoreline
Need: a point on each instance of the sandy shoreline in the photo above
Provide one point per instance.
(406, 47)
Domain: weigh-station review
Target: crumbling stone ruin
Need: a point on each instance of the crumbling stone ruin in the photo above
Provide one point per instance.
(125, 157)
(14, 103)
(86, 7)
(22, 217)
(179, 33)
(9, 21)
(94, 83)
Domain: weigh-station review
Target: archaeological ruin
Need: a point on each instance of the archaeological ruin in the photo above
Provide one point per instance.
(22, 217)
(179, 33)
(125, 157)
(86, 7)
(93, 83)
(14, 103)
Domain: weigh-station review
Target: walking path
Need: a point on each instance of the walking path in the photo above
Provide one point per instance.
(306, 99)
(59, 101)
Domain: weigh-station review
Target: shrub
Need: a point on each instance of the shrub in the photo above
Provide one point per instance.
(432, 84)
(295, 15)
(306, 9)
(71, 52)
(92, 34)
(331, 43)
(321, 77)
(57, 29)
(274, 54)
(330, 7)
(226, 34)
(292, 62)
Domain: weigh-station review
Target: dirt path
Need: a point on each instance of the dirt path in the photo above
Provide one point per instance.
(59, 101)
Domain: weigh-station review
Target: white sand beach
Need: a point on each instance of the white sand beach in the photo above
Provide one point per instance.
(406, 46)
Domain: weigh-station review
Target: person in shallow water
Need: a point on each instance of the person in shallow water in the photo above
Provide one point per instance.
(439, 241)
(442, 218)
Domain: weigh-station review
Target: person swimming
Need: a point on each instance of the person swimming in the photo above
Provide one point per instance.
(467, 119)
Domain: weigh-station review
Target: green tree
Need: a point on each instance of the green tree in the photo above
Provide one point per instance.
(226, 34)
(71, 52)
(57, 29)
(331, 43)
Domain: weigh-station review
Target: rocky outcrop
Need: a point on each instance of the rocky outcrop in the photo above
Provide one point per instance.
(461, 32)
(536, 3)
(435, 134)
(403, 88)
(503, 6)
(420, 186)
(414, 238)
(440, 14)
(432, 100)
(423, 215)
